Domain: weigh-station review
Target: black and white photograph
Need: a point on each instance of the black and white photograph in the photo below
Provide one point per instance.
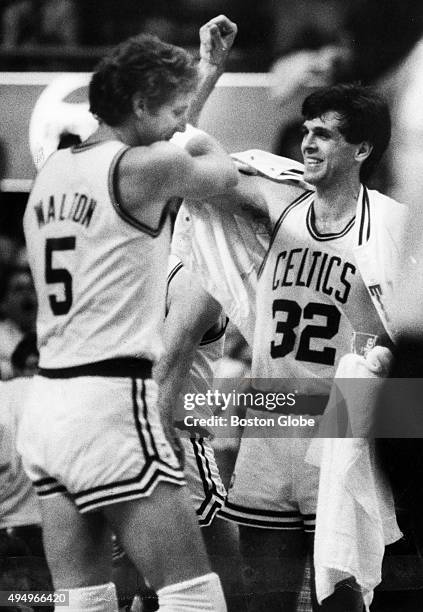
(211, 305)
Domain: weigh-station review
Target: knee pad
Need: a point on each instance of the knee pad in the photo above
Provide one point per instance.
(202, 593)
(98, 598)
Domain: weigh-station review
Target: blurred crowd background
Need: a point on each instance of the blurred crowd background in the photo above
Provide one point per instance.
(73, 34)
(301, 44)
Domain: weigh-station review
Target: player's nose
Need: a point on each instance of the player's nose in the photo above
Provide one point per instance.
(308, 142)
(182, 125)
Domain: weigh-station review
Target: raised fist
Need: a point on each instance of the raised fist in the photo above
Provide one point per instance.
(216, 39)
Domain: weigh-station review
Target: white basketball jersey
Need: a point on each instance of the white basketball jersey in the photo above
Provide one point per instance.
(100, 275)
(206, 356)
(310, 299)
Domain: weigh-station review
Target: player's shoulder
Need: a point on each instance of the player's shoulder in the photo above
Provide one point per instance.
(382, 198)
(272, 177)
(387, 207)
(146, 177)
(285, 192)
(388, 217)
(278, 197)
(155, 158)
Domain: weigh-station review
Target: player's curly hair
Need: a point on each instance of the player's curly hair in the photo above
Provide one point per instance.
(140, 64)
(364, 117)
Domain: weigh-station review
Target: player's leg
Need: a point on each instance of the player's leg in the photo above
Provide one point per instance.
(78, 551)
(274, 562)
(221, 538)
(262, 500)
(50, 440)
(347, 597)
(222, 545)
(130, 583)
(161, 536)
(129, 458)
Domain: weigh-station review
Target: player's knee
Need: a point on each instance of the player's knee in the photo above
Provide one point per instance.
(98, 598)
(201, 593)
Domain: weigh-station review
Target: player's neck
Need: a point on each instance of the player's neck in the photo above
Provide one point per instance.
(106, 132)
(334, 207)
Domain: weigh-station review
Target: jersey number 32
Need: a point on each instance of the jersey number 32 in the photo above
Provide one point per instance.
(293, 314)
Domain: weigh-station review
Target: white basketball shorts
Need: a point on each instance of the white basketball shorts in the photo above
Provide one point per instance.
(98, 439)
(272, 485)
(203, 479)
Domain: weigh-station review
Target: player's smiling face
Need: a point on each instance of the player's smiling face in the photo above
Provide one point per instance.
(328, 157)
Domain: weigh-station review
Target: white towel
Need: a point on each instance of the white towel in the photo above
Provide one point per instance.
(226, 250)
(355, 511)
(226, 262)
(275, 167)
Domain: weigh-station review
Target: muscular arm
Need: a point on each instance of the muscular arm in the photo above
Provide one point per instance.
(148, 177)
(191, 313)
(216, 39)
(256, 197)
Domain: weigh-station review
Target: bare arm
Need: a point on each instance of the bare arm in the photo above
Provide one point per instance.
(204, 168)
(256, 197)
(163, 170)
(191, 313)
(216, 39)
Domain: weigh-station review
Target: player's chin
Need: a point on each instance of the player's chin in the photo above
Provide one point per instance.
(169, 135)
(311, 177)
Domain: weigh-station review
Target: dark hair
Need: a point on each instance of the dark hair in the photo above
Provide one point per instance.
(140, 64)
(364, 116)
(26, 347)
(8, 273)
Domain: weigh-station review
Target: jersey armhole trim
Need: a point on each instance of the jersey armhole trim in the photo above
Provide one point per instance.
(174, 272)
(125, 215)
(205, 340)
(364, 231)
(278, 223)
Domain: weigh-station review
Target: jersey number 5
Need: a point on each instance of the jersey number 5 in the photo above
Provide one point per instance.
(59, 275)
(293, 317)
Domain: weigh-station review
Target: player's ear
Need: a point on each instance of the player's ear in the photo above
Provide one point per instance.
(138, 104)
(363, 151)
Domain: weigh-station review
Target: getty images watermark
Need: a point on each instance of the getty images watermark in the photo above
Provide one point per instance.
(372, 407)
(265, 403)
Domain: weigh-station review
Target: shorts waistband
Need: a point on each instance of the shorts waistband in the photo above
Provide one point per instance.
(125, 367)
(304, 404)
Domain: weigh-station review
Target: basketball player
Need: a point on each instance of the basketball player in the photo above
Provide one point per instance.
(194, 339)
(328, 272)
(98, 236)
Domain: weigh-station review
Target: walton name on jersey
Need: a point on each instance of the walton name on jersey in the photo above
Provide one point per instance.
(79, 208)
(320, 271)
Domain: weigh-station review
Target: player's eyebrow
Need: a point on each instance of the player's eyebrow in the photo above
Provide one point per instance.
(181, 108)
(318, 130)
(322, 131)
(309, 126)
